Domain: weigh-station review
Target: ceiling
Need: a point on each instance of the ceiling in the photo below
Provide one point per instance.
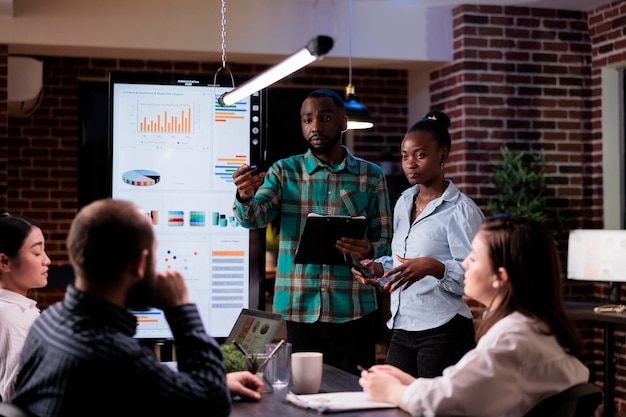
(7, 7)
(77, 34)
(579, 5)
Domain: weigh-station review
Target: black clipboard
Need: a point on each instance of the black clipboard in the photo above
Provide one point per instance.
(317, 243)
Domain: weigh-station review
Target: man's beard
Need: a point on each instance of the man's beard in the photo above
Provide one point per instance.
(139, 297)
(325, 149)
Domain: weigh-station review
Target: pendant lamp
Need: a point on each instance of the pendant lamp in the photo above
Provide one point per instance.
(358, 114)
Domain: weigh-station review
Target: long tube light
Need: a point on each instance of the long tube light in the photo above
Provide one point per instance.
(315, 49)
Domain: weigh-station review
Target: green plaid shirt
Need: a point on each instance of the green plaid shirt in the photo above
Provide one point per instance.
(302, 184)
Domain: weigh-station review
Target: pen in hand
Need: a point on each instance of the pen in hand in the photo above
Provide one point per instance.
(360, 368)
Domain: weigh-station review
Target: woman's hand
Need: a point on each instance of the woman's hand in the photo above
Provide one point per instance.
(412, 270)
(402, 376)
(383, 383)
(367, 273)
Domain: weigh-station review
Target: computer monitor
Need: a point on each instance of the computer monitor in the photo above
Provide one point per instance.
(598, 255)
(173, 149)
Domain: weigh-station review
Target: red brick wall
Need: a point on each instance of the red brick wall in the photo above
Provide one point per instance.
(519, 77)
(607, 32)
(530, 78)
(41, 173)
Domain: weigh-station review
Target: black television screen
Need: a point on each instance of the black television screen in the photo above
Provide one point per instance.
(173, 149)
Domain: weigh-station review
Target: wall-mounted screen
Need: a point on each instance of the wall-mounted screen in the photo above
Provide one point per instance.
(597, 255)
(173, 150)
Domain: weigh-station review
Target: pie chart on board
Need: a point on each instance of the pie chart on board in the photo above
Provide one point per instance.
(141, 177)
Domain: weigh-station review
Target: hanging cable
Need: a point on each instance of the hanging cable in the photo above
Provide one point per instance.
(350, 45)
(358, 114)
(323, 17)
(223, 33)
(224, 67)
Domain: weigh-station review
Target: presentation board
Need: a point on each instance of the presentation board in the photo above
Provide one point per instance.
(173, 150)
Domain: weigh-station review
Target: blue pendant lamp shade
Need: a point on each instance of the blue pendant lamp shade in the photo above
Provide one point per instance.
(358, 114)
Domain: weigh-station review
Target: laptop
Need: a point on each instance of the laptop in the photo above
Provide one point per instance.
(253, 329)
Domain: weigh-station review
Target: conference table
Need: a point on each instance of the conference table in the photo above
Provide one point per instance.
(273, 404)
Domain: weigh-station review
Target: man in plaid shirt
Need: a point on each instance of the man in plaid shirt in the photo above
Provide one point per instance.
(325, 308)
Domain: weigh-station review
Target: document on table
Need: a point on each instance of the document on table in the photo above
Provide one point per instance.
(335, 402)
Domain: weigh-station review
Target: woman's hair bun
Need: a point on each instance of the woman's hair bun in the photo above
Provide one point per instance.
(439, 116)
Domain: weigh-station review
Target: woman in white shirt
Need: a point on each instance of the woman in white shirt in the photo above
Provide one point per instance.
(526, 347)
(23, 266)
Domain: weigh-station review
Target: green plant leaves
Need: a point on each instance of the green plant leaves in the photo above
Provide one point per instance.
(520, 183)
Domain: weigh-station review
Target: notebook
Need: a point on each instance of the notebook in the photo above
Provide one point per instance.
(336, 402)
(253, 329)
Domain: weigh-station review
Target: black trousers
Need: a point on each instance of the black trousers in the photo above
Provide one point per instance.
(427, 353)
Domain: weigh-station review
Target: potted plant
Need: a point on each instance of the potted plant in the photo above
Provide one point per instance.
(236, 361)
(233, 358)
(520, 184)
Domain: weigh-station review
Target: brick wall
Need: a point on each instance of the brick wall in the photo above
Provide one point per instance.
(41, 171)
(519, 77)
(607, 32)
(530, 78)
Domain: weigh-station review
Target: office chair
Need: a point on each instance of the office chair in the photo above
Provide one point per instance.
(12, 410)
(581, 400)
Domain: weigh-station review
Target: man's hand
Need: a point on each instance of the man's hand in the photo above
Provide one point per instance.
(360, 248)
(246, 182)
(244, 384)
(168, 289)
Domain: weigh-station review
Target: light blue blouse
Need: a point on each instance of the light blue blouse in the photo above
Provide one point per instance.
(443, 231)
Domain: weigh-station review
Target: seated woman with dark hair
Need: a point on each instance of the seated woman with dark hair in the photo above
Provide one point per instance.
(23, 266)
(526, 347)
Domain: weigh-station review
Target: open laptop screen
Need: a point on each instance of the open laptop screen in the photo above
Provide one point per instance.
(253, 329)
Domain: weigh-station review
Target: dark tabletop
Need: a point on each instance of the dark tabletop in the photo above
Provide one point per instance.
(273, 404)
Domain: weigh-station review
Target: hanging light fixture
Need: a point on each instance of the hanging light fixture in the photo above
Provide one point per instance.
(315, 49)
(358, 115)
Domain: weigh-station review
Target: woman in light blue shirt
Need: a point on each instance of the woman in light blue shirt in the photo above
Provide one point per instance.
(434, 224)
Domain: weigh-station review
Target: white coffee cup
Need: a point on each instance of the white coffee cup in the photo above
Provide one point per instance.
(306, 372)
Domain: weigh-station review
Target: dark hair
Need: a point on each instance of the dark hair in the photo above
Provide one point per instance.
(14, 229)
(322, 92)
(105, 237)
(527, 251)
(436, 123)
